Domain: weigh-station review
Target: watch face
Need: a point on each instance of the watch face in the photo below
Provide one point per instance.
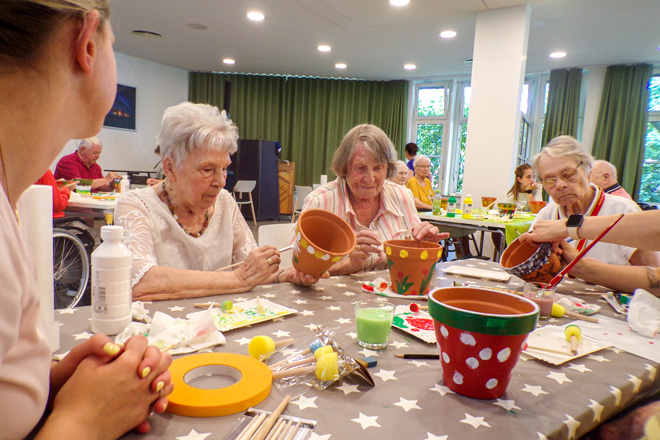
(574, 221)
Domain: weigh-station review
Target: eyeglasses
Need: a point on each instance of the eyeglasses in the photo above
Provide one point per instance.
(422, 166)
(567, 176)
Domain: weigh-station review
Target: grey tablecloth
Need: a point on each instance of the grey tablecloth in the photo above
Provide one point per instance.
(410, 400)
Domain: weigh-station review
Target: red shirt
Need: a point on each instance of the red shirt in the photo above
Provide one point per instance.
(71, 166)
(60, 195)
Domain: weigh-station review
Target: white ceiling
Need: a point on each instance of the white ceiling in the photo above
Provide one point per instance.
(376, 39)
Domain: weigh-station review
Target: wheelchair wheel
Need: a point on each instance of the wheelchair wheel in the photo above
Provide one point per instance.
(70, 269)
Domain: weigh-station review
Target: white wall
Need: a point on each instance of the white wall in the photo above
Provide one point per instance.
(158, 87)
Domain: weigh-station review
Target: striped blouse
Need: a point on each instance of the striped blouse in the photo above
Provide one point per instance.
(397, 213)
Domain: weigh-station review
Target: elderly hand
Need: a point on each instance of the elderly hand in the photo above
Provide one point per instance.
(72, 185)
(425, 231)
(259, 266)
(546, 230)
(292, 276)
(111, 176)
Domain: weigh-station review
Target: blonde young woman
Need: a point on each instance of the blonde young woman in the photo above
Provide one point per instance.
(56, 60)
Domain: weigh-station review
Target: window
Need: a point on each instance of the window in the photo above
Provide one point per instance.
(649, 191)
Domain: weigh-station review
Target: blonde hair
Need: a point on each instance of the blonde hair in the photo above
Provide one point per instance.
(520, 172)
(26, 25)
(374, 141)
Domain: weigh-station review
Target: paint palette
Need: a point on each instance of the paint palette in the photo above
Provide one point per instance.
(419, 324)
(249, 312)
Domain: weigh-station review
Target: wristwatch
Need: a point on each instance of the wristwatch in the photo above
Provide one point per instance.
(572, 224)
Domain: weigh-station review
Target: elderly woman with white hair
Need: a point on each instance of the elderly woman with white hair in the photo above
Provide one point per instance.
(376, 208)
(182, 231)
(420, 185)
(401, 176)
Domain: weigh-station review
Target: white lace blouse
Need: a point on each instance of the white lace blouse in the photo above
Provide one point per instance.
(156, 239)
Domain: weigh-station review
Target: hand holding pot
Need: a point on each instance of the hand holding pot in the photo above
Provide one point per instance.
(425, 231)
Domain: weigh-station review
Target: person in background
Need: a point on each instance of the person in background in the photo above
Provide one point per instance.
(151, 181)
(563, 167)
(603, 175)
(411, 152)
(376, 208)
(401, 176)
(524, 189)
(81, 164)
(61, 194)
(58, 71)
(420, 185)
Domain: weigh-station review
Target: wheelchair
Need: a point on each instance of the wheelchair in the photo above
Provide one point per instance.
(72, 248)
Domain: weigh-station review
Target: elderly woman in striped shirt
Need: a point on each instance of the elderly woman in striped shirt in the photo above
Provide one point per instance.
(376, 208)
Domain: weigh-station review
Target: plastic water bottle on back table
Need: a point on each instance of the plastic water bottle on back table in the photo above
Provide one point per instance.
(437, 203)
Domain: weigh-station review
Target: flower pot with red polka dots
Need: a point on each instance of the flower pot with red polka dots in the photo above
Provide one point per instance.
(322, 239)
(411, 265)
(480, 335)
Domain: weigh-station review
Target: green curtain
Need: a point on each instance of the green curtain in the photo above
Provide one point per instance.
(561, 116)
(622, 119)
(309, 116)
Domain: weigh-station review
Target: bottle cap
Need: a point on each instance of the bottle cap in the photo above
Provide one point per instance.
(112, 232)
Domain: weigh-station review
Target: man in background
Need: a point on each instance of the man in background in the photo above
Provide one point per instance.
(603, 175)
(81, 164)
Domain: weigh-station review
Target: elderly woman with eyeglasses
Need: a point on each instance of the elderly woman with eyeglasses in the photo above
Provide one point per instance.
(563, 168)
(376, 208)
(420, 185)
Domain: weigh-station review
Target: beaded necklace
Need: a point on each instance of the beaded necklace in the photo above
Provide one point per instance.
(207, 216)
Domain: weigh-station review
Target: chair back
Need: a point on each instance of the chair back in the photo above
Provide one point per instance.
(301, 193)
(244, 186)
(278, 235)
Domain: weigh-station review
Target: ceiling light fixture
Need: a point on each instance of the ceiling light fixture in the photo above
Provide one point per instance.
(557, 54)
(147, 34)
(399, 2)
(323, 48)
(409, 66)
(447, 34)
(341, 66)
(255, 16)
(229, 61)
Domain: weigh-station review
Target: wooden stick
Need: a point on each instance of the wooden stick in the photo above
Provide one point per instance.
(581, 316)
(297, 363)
(270, 421)
(284, 342)
(574, 344)
(275, 432)
(293, 372)
(252, 427)
(294, 431)
(231, 266)
(549, 350)
(285, 429)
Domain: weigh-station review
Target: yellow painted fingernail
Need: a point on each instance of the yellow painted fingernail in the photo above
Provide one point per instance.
(159, 386)
(164, 407)
(111, 348)
(146, 372)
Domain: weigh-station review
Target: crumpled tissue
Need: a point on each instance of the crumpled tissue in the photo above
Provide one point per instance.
(177, 335)
(577, 305)
(644, 313)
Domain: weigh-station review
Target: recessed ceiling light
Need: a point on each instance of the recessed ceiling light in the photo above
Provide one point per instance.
(323, 48)
(255, 16)
(197, 26)
(147, 34)
(557, 54)
(409, 66)
(399, 2)
(447, 34)
(341, 66)
(229, 61)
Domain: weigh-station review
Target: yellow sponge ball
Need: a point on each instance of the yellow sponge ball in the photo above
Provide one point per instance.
(322, 350)
(573, 330)
(558, 310)
(327, 367)
(261, 347)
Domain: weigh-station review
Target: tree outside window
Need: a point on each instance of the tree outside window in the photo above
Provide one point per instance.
(649, 191)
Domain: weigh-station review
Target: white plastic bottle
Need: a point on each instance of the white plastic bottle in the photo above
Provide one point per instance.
(124, 185)
(111, 283)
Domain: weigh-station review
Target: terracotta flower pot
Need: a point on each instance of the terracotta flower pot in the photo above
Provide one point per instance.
(322, 239)
(506, 209)
(531, 262)
(537, 205)
(487, 201)
(480, 335)
(411, 265)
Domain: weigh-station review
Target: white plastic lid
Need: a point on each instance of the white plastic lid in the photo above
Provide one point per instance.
(469, 196)
(125, 176)
(113, 233)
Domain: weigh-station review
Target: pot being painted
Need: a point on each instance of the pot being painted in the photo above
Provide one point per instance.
(480, 335)
(531, 262)
(322, 239)
(411, 265)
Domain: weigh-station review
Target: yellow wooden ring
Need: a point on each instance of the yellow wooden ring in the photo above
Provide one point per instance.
(253, 386)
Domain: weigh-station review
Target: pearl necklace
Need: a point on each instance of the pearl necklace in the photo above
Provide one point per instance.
(207, 216)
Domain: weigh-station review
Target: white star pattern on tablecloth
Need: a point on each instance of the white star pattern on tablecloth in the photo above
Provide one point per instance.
(385, 375)
(430, 436)
(240, 299)
(366, 421)
(66, 311)
(340, 285)
(305, 402)
(347, 293)
(281, 333)
(636, 381)
(366, 352)
(268, 295)
(294, 292)
(579, 367)
(307, 313)
(194, 435)
(83, 335)
(419, 363)
(288, 352)
(534, 389)
(176, 309)
(541, 436)
(617, 394)
(243, 341)
(559, 377)
(348, 388)
(333, 308)
(441, 389)
(652, 371)
(60, 356)
(617, 350)
(316, 436)
(474, 421)
(508, 405)
(300, 301)
(598, 358)
(407, 405)
(572, 426)
(597, 408)
(312, 327)
(325, 298)
(343, 320)
(318, 288)
(352, 335)
(398, 345)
